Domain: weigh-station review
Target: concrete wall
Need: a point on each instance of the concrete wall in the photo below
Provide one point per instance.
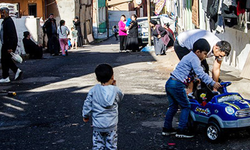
(30, 24)
(240, 43)
(62, 10)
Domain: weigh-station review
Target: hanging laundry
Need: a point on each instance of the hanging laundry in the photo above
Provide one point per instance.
(230, 17)
(248, 5)
(241, 7)
(230, 3)
(204, 5)
(213, 13)
(159, 6)
(220, 27)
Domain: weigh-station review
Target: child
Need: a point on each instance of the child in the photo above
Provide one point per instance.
(102, 104)
(175, 88)
(63, 34)
(69, 44)
(128, 24)
(115, 32)
(74, 37)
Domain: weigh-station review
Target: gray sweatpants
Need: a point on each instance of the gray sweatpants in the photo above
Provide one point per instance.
(105, 140)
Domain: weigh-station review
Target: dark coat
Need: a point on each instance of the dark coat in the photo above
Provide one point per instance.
(133, 29)
(32, 48)
(9, 35)
(47, 27)
(77, 25)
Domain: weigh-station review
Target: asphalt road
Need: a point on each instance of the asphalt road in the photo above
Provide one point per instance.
(46, 113)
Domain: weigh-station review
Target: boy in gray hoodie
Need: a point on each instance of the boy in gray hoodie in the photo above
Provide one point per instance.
(102, 104)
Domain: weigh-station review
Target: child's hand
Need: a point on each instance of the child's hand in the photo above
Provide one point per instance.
(85, 119)
(114, 82)
(217, 85)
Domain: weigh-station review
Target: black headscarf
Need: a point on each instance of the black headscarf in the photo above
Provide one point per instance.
(153, 22)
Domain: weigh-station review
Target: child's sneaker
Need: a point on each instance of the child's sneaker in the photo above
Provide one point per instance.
(166, 132)
(184, 134)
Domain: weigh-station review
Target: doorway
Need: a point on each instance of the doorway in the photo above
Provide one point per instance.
(32, 10)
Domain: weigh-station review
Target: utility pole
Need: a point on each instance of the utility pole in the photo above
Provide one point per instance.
(149, 17)
(107, 18)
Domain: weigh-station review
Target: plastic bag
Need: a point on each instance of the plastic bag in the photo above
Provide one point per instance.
(16, 57)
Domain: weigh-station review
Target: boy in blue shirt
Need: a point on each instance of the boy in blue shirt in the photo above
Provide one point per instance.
(176, 84)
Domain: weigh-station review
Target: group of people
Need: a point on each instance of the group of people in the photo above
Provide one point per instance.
(192, 48)
(163, 37)
(9, 40)
(53, 33)
(128, 33)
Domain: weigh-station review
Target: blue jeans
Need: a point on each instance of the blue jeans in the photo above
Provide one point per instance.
(176, 96)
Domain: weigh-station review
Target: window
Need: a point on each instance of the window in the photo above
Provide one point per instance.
(32, 10)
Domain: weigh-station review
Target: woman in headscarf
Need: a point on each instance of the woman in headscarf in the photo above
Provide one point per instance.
(132, 38)
(161, 38)
(77, 26)
(31, 48)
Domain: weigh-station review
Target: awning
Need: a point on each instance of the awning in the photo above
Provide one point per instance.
(117, 2)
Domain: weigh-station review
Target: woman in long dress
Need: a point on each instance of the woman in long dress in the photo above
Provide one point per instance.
(132, 38)
(77, 26)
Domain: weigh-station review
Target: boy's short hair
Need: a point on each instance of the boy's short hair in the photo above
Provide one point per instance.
(72, 28)
(201, 45)
(224, 47)
(104, 72)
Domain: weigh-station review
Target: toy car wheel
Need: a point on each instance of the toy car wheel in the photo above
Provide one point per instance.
(214, 132)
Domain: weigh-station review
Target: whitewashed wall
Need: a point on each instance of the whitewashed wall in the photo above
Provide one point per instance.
(240, 43)
(66, 10)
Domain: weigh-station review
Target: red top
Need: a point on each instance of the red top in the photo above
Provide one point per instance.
(171, 31)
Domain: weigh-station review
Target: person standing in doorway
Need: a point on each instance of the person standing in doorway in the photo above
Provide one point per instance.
(77, 26)
(122, 33)
(9, 40)
(63, 37)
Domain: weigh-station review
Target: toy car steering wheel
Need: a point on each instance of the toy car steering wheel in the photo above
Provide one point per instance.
(224, 85)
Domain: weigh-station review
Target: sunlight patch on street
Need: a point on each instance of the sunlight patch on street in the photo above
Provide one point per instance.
(14, 107)
(16, 100)
(7, 115)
